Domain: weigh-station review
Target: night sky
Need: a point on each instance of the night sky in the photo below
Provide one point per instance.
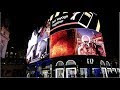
(23, 23)
(21, 26)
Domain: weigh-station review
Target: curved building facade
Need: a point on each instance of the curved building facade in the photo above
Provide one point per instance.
(74, 47)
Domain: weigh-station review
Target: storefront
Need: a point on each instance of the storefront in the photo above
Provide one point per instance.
(76, 67)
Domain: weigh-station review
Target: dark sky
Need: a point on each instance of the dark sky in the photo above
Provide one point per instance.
(22, 24)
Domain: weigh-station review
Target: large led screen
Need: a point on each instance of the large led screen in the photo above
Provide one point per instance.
(89, 42)
(75, 33)
(38, 45)
(62, 43)
(76, 41)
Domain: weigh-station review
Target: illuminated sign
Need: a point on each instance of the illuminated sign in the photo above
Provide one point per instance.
(82, 19)
(75, 33)
(76, 41)
(71, 33)
(38, 45)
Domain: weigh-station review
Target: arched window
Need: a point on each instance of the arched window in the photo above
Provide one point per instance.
(107, 64)
(59, 72)
(102, 63)
(70, 62)
(60, 63)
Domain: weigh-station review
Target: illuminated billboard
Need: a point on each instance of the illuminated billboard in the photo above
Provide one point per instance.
(66, 20)
(71, 33)
(89, 42)
(76, 41)
(75, 33)
(62, 43)
(38, 45)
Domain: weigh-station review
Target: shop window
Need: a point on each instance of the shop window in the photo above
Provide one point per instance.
(59, 73)
(71, 72)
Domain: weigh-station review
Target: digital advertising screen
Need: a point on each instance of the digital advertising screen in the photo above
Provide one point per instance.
(66, 20)
(75, 33)
(38, 45)
(62, 43)
(77, 41)
(89, 42)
